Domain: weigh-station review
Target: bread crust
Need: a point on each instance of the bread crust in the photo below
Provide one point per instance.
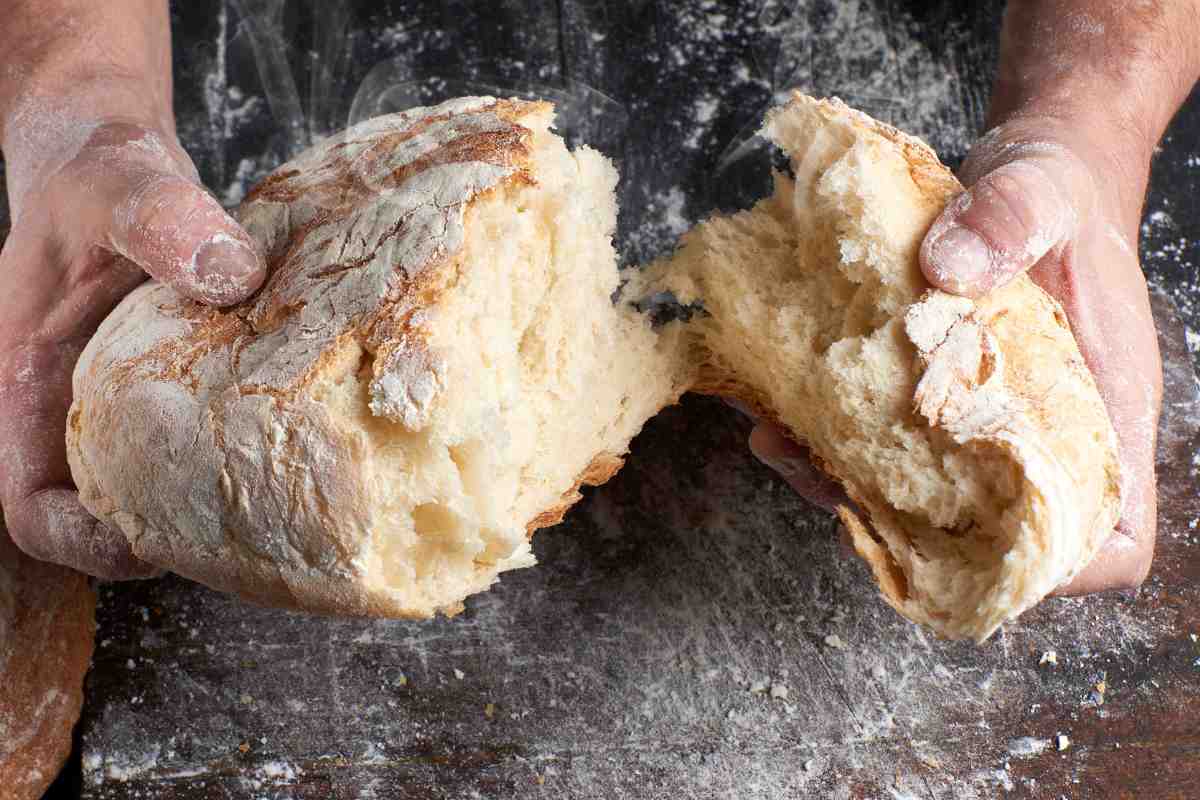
(603, 467)
(47, 630)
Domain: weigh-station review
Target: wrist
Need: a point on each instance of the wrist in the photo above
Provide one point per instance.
(44, 109)
(1116, 72)
(1122, 122)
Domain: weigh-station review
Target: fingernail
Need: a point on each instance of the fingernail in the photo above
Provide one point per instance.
(962, 260)
(739, 406)
(228, 269)
(786, 467)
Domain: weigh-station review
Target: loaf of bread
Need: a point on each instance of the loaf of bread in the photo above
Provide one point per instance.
(433, 368)
(47, 627)
(437, 363)
(970, 435)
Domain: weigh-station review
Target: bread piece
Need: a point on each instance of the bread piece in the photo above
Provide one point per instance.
(47, 627)
(435, 365)
(433, 368)
(970, 436)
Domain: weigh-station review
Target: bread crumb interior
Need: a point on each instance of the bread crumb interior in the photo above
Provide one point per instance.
(556, 373)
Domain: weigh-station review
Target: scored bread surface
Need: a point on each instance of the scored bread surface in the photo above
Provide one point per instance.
(435, 366)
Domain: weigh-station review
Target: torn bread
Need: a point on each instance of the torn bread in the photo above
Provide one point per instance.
(47, 629)
(436, 364)
(433, 368)
(970, 435)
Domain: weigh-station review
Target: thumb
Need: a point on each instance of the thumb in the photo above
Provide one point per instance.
(180, 235)
(1015, 214)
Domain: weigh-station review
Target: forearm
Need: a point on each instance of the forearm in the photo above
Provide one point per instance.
(1123, 65)
(1106, 75)
(83, 59)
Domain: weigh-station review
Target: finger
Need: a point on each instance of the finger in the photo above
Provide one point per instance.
(1103, 290)
(42, 510)
(52, 525)
(1124, 560)
(794, 464)
(179, 234)
(1132, 398)
(1002, 225)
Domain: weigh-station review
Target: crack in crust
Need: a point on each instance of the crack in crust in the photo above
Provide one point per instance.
(603, 467)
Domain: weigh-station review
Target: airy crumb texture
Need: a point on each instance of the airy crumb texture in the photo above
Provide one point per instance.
(971, 437)
(551, 385)
(47, 626)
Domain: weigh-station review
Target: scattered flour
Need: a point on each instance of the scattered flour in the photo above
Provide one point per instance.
(1028, 746)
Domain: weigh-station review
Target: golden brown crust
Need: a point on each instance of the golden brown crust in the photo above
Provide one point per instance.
(927, 171)
(47, 628)
(602, 468)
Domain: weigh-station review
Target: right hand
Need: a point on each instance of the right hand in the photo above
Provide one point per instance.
(1043, 198)
(122, 200)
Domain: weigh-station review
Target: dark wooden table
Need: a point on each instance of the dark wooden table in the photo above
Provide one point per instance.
(693, 630)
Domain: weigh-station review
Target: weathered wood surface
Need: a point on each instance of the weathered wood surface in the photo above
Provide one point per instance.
(692, 630)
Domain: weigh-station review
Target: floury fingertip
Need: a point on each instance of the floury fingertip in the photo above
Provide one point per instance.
(227, 270)
(959, 260)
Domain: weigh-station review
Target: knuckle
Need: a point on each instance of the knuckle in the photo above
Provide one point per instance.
(151, 202)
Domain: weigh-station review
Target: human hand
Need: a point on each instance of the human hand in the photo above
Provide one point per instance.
(97, 205)
(1061, 200)
(1084, 91)
(1042, 199)
(1045, 199)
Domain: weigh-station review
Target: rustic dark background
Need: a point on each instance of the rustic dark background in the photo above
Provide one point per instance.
(692, 630)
